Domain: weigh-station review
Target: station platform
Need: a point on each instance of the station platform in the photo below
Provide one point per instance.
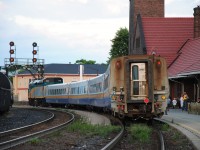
(188, 124)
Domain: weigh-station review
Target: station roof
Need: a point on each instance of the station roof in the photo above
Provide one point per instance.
(75, 68)
(72, 69)
(166, 36)
(188, 60)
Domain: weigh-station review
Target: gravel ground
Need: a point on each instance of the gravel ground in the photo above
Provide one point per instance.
(18, 117)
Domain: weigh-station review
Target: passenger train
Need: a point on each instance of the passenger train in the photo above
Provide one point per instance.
(133, 86)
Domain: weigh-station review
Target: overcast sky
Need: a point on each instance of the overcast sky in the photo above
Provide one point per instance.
(69, 30)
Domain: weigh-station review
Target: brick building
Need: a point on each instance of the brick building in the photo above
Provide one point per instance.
(177, 39)
(146, 8)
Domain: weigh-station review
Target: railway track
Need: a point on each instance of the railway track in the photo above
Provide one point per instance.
(110, 143)
(156, 142)
(26, 127)
(115, 140)
(20, 135)
(186, 129)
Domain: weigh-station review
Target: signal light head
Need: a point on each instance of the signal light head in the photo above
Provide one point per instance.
(34, 60)
(12, 51)
(11, 43)
(34, 44)
(12, 59)
(34, 52)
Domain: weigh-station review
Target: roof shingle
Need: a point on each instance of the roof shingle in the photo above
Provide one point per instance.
(165, 36)
(188, 61)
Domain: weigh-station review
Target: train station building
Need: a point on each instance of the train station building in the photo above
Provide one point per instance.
(177, 39)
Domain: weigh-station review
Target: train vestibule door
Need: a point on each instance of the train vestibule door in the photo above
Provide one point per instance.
(138, 81)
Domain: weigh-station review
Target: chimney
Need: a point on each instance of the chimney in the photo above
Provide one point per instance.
(196, 22)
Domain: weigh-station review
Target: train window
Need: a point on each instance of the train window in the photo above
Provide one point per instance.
(62, 91)
(96, 88)
(74, 90)
(138, 80)
(135, 75)
(65, 91)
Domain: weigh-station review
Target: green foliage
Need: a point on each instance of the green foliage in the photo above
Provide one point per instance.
(141, 132)
(83, 61)
(165, 127)
(119, 45)
(176, 135)
(35, 141)
(55, 134)
(90, 130)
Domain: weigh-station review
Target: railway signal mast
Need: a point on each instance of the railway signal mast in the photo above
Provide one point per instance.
(34, 52)
(12, 51)
(33, 65)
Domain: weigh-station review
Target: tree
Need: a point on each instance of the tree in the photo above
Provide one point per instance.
(119, 45)
(83, 61)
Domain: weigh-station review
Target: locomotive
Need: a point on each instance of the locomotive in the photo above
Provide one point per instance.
(6, 93)
(132, 86)
(36, 94)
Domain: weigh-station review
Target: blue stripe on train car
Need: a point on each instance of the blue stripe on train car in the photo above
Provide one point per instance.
(105, 102)
(82, 101)
(56, 101)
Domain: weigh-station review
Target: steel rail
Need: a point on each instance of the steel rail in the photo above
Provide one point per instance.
(162, 141)
(190, 134)
(12, 131)
(23, 139)
(113, 143)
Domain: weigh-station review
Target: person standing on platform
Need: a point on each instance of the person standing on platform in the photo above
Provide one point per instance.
(185, 99)
(181, 102)
(174, 102)
(168, 103)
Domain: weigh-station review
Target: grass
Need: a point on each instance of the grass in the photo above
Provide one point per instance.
(176, 135)
(88, 129)
(165, 127)
(35, 141)
(140, 132)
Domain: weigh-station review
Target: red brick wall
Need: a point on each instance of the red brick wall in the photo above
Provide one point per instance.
(149, 8)
(197, 22)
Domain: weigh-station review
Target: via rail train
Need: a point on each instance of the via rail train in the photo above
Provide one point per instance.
(6, 93)
(133, 86)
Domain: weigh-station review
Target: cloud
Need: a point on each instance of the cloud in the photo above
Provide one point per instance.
(115, 7)
(80, 1)
(73, 31)
(169, 1)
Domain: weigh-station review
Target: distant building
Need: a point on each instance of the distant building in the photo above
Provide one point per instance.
(69, 73)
